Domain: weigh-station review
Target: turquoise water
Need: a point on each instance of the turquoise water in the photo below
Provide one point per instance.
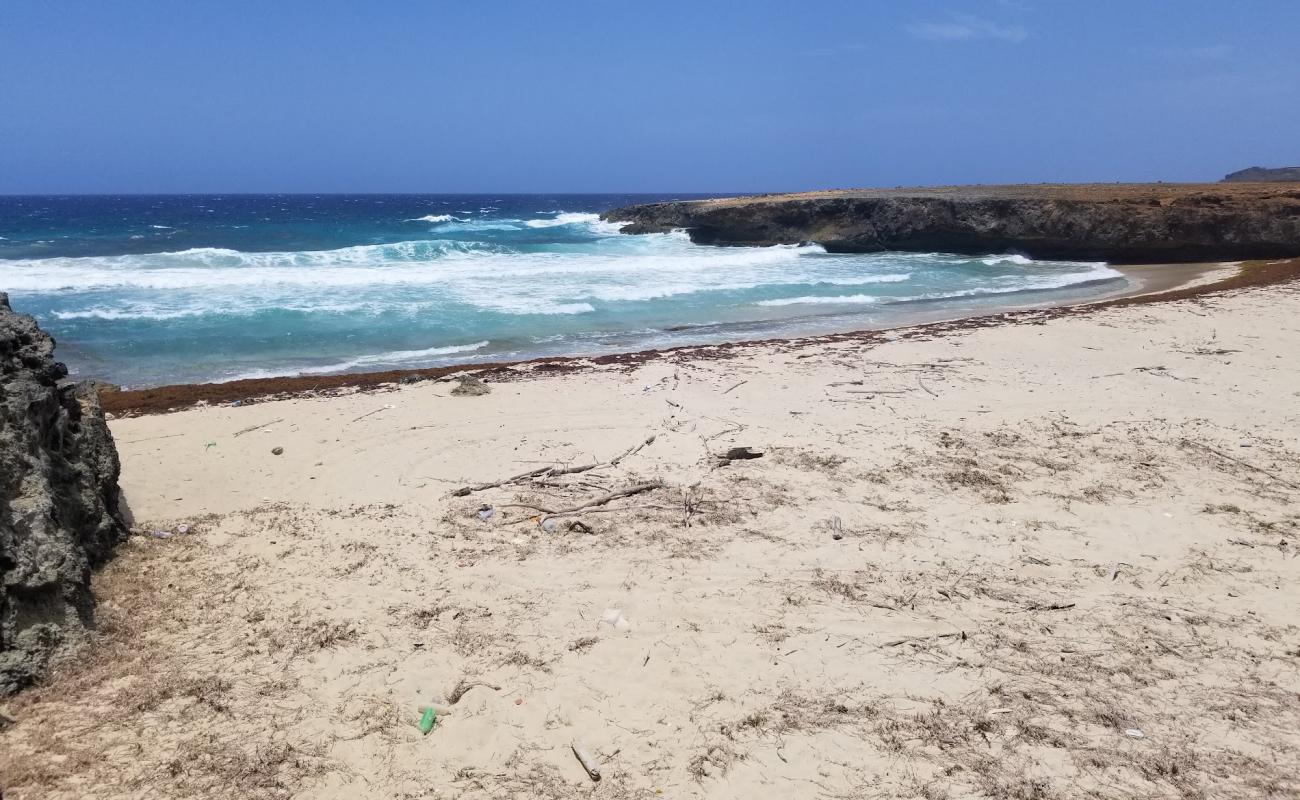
(151, 290)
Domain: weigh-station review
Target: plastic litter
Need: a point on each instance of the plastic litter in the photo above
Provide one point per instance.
(1135, 733)
(614, 618)
(549, 525)
(485, 512)
(182, 528)
(428, 720)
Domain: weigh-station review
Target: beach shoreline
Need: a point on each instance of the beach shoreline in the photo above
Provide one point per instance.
(1148, 284)
(1043, 554)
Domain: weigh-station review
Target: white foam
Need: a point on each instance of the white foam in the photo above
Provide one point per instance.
(393, 357)
(434, 218)
(1098, 272)
(119, 314)
(849, 299)
(1013, 258)
(864, 279)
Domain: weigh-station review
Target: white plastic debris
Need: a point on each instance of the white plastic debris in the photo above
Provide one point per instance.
(485, 512)
(549, 525)
(614, 618)
(1135, 733)
(182, 528)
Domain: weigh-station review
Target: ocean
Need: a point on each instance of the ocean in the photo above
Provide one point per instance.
(150, 290)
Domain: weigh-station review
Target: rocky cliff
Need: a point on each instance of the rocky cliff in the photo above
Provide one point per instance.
(1124, 223)
(58, 501)
(1264, 174)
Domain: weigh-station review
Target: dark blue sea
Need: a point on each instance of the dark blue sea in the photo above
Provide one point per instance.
(147, 290)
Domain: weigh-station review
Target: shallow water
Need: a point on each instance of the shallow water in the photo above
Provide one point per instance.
(150, 290)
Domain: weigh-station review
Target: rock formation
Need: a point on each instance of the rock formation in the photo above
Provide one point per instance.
(58, 501)
(1264, 174)
(1125, 223)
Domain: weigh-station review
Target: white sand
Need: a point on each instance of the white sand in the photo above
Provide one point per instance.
(1077, 529)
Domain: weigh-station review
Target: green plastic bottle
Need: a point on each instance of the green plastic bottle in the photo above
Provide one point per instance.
(427, 721)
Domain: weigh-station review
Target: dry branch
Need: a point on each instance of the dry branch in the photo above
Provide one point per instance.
(547, 472)
(252, 428)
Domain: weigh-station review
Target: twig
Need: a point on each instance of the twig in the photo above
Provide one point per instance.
(252, 428)
(907, 639)
(736, 386)
(1052, 607)
(877, 391)
(368, 413)
(549, 471)
(153, 438)
(627, 491)
(613, 462)
(928, 390)
(532, 473)
(1220, 454)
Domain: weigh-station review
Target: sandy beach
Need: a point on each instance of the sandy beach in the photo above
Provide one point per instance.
(1048, 555)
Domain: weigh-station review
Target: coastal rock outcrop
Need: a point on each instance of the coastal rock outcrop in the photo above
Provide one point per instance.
(1264, 174)
(1126, 223)
(59, 512)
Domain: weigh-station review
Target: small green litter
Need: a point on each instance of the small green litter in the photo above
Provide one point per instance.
(427, 721)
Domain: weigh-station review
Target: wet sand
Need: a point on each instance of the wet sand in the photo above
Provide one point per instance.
(1149, 284)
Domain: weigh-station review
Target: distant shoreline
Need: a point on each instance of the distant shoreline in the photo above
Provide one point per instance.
(1153, 284)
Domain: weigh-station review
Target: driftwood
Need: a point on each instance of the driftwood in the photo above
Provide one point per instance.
(734, 386)
(627, 491)
(368, 413)
(1051, 607)
(905, 640)
(547, 472)
(588, 763)
(1249, 466)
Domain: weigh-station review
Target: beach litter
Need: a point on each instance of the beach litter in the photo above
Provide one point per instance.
(428, 720)
(614, 618)
(1134, 733)
(161, 534)
(485, 512)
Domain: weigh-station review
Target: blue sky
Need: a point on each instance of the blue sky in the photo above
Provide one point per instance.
(432, 96)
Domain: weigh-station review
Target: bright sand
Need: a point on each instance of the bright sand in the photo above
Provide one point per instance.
(1029, 560)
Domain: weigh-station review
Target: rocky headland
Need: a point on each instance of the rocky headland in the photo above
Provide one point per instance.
(1121, 223)
(1256, 174)
(59, 513)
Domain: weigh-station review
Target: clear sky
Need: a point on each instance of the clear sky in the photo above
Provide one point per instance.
(575, 96)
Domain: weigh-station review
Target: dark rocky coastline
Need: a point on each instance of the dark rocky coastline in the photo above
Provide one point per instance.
(59, 512)
(1255, 174)
(1120, 223)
